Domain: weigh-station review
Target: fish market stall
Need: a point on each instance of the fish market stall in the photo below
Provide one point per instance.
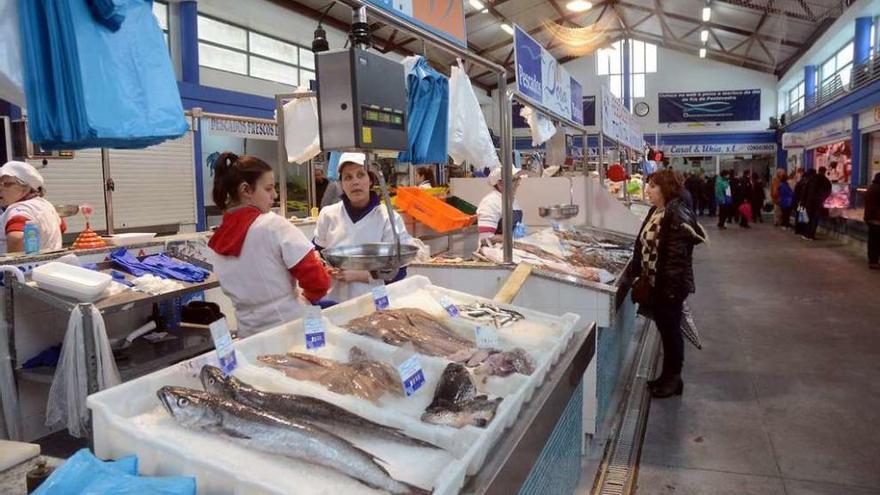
(478, 391)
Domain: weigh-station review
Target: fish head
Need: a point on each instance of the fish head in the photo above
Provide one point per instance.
(215, 382)
(190, 407)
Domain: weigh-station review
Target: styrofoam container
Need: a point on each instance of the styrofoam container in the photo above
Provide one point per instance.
(130, 238)
(79, 283)
(127, 419)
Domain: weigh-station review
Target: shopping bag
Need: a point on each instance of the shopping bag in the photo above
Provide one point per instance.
(802, 216)
(469, 138)
(745, 210)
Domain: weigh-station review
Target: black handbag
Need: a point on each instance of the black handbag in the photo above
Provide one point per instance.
(641, 291)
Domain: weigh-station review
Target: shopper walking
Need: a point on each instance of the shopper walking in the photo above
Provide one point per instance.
(778, 179)
(758, 195)
(694, 186)
(785, 200)
(724, 199)
(709, 194)
(872, 218)
(663, 265)
(800, 201)
(818, 191)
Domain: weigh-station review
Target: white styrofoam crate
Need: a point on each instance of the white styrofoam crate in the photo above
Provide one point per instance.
(127, 419)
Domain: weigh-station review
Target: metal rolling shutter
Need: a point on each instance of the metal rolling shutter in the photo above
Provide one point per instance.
(76, 181)
(155, 186)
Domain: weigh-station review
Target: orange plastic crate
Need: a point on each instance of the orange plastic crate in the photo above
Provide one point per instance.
(433, 212)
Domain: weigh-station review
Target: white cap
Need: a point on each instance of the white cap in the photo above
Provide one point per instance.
(23, 172)
(495, 175)
(352, 157)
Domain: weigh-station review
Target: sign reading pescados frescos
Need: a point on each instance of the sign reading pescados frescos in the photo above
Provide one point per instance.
(710, 106)
(541, 79)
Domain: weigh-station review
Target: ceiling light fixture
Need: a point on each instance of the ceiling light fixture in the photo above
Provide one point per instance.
(507, 29)
(579, 6)
(477, 5)
(707, 13)
(704, 35)
(702, 53)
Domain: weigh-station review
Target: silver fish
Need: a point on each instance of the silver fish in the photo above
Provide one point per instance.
(274, 434)
(310, 409)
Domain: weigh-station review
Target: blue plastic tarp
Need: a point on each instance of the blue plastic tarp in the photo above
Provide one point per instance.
(88, 85)
(427, 115)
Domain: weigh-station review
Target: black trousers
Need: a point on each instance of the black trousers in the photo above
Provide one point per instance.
(873, 243)
(757, 214)
(724, 214)
(786, 217)
(667, 317)
(815, 215)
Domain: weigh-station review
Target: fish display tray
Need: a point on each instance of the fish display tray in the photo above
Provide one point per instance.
(128, 419)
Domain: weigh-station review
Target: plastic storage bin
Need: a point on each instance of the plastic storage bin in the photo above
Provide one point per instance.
(433, 212)
(81, 284)
(462, 205)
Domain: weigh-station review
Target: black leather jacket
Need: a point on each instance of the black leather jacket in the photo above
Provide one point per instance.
(679, 233)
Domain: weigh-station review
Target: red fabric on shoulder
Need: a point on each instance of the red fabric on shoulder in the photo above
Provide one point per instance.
(63, 226)
(312, 277)
(229, 238)
(16, 223)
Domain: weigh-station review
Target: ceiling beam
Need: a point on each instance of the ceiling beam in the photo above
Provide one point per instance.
(620, 19)
(664, 26)
(761, 8)
(769, 55)
(824, 24)
(807, 10)
(713, 25)
(717, 41)
(713, 54)
(641, 21)
(477, 12)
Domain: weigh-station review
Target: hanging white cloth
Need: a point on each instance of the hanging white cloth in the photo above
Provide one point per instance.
(301, 137)
(540, 125)
(67, 396)
(11, 76)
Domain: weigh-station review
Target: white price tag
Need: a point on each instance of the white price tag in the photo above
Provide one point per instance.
(380, 296)
(449, 307)
(193, 367)
(486, 337)
(411, 375)
(313, 326)
(223, 344)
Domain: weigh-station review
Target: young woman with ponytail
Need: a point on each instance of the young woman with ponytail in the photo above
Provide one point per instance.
(266, 266)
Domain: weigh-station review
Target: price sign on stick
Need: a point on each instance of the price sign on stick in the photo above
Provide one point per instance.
(223, 344)
(486, 337)
(449, 307)
(380, 295)
(411, 375)
(313, 328)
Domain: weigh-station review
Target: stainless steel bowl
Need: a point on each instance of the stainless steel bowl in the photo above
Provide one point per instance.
(378, 256)
(558, 212)
(67, 210)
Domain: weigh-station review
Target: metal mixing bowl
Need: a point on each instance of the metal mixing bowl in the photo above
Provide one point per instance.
(378, 256)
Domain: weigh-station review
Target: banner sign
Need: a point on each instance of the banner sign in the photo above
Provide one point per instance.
(589, 110)
(541, 79)
(247, 129)
(794, 140)
(618, 123)
(710, 106)
(718, 149)
(442, 17)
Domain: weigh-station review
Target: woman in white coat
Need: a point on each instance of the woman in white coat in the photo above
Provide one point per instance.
(21, 193)
(491, 208)
(359, 218)
(266, 266)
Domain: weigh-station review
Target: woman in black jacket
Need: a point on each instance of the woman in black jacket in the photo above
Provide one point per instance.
(663, 263)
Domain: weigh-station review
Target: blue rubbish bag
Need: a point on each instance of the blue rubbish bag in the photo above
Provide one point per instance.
(84, 474)
(427, 115)
(88, 85)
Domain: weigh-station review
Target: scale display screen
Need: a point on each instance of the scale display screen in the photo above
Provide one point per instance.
(380, 117)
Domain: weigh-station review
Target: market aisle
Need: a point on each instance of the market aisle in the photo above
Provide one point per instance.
(784, 397)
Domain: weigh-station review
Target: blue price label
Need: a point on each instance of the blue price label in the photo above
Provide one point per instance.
(411, 375)
(223, 345)
(486, 337)
(380, 297)
(449, 307)
(314, 332)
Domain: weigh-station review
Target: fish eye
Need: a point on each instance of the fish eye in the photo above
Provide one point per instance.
(211, 380)
(182, 402)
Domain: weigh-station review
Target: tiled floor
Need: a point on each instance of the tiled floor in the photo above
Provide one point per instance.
(785, 396)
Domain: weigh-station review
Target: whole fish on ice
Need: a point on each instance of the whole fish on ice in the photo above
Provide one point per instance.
(398, 326)
(315, 411)
(493, 362)
(268, 432)
(456, 402)
(361, 376)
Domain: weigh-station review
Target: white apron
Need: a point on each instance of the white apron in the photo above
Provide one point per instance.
(40, 212)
